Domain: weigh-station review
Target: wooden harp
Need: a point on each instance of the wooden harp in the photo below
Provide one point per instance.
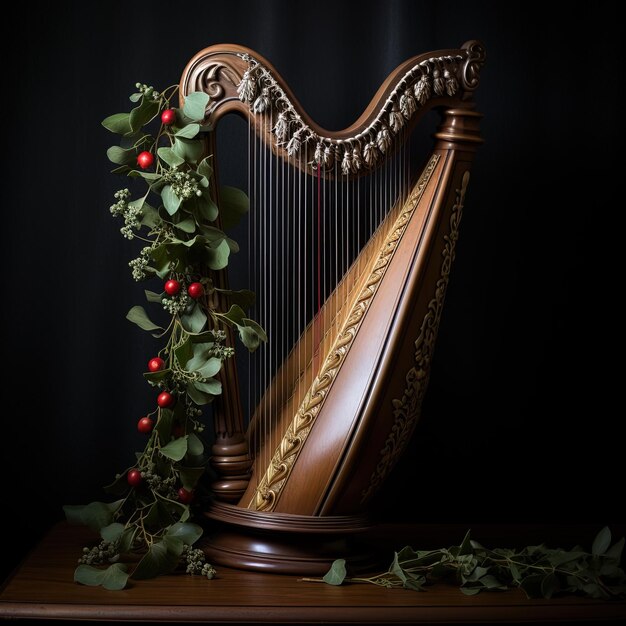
(350, 257)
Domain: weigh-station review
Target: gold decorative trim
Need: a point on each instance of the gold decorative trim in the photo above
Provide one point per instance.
(269, 488)
(407, 410)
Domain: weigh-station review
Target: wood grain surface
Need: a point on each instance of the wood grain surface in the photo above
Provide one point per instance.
(42, 588)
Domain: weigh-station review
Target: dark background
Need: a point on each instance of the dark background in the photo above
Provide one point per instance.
(521, 422)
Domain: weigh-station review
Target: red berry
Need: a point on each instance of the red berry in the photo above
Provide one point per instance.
(168, 116)
(165, 399)
(134, 478)
(145, 425)
(145, 160)
(185, 496)
(195, 290)
(156, 364)
(172, 287)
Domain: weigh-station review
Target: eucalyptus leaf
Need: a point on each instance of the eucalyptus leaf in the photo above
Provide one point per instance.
(159, 559)
(150, 216)
(199, 397)
(189, 131)
(396, 569)
(121, 156)
(194, 445)
(137, 315)
(191, 150)
(194, 321)
(187, 225)
(217, 256)
(251, 335)
(336, 574)
(155, 377)
(112, 532)
(188, 533)
(126, 539)
(204, 168)
(211, 386)
(615, 552)
(171, 201)
(170, 157)
(175, 449)
(549, 586)
(195, 105)
(602, 541)
(201, 352)
(243, 298)
(163, 425)
(189, 476)
(210, 368)
(184, 352)
(96, 515)
(151, 296)
(118, 123)
(113, 578)
(234, 204)
(207, 208)
(149, 176)
(470, 591)
(143, 114)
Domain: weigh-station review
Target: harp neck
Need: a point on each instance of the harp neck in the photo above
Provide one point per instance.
(242, 81)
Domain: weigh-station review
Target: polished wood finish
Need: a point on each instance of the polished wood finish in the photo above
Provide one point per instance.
(347, 412)
(42, 588)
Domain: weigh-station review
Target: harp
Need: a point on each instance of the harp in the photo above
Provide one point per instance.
(350, 258)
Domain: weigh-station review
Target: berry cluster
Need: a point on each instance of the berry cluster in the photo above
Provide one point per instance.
(102, 553)
(196, 562)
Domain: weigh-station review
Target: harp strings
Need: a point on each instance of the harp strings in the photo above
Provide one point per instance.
(310, 239)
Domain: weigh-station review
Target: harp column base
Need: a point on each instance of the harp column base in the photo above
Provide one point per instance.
(285, 544)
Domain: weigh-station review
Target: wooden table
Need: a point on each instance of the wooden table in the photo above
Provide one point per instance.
(42, 588)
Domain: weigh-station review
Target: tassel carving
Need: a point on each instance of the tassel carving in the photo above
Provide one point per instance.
(439, 84)
(396, 121)
(422, 89)
(293, 147)
(370, 154)
(407, 104)
(262, 103)
(281, 128)
(247, 87)
(383, 139)
(356, 160)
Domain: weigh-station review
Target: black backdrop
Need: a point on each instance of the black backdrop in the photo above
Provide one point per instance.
(521, 418)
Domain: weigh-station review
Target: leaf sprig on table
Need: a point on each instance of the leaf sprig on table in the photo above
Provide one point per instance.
(540, 571)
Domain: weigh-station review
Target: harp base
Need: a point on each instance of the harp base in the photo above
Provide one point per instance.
(284, 544)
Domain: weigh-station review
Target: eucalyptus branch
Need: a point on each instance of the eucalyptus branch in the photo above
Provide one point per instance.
(169, 206)
(540, 571)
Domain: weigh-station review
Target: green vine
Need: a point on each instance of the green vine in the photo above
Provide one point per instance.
(173, 210)
(540, 571)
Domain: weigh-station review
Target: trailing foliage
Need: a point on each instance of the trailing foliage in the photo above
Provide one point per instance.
(173, 211)
(540, 571)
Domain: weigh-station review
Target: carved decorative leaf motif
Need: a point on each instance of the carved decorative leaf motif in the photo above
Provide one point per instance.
(281, 128)
(247, 87)
(423, 89)
(370, 153)
(407, 104)
(396, 119)
(383, 139)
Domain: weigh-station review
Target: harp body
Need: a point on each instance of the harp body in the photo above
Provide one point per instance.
(295, 475)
